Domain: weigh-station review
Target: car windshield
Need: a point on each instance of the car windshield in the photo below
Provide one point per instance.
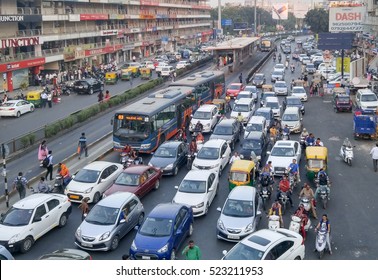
(243, 95)
(87, 176)
(315, 163)
(290, 117)
(243, 252)
(102, 215)
(190, 186)
(165, 152)
(273, 105)
(250, 88)
(241, 108)
(208, 153)
(343, 99)
(279, 66)
(293, 101)
(200, 115)
(310, 66)
(238, 208)
(156, 227)
(127, 179)
(280, 85)
(266, 115)
(277, 73)
(16, 217)
(8, 104)
(234, 87)
(299, 90)
(368, 97)
(282, 152)
(223, 130)
(251, 144)
(254, 127)
(238, 176)
(259, 77)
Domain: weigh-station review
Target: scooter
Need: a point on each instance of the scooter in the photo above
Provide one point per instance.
(295, 224)
(284, 199)
(285, 136)
(292, 70)
(323, 193)
(321, 242)
(346, 153)
(306, 203)
(59, 185)
(265, 193)
(292, 180)
(274, 222)
(189, 160)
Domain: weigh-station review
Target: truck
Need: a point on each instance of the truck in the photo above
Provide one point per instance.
(357, 74)
(365, 126)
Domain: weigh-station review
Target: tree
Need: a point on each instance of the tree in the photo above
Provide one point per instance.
(318, 20)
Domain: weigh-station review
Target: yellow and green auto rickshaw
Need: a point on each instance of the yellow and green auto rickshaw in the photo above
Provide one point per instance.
(145, 73)
(125, 74)
(221, 104)
(34, 97)
(134, 68)
(242, 173)
(111, 78)
(316, 158)
(267, 87)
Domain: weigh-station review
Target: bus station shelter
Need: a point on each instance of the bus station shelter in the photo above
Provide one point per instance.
(233, 52)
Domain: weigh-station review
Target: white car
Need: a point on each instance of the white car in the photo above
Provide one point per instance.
(15, 108)
(207, 115)
(198, 189)
(282, 154)
(214, 154)
(160, 66)
(301, 56)
(240, 215)
(32, 217)
(244, 106)
(279, 66)
(274, 104)
(316, 57)
(366, 100)
(306, 60)
(280, 88)
(325, 72)
(299, 92)
(277, 75)
(166, 71)
(265, 244)
(150, 65)
(252, 89)
(182, 64)
(92, 181)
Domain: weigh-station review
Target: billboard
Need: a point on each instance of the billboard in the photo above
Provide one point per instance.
(280, 11)
(346, 19)
(300, 10)
(346, 64)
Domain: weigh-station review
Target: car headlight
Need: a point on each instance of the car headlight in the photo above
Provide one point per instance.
(208, 125)
(241, 156)
(258, 157)
(78, 232)
(163, 249)
(13, 239)
(199, 205)
(169, 166)
(220, 225)
(104, 236)
(133, 247)
(214, 166)
(145, 146)
(88, 190)
(248, 228)
(196, 165)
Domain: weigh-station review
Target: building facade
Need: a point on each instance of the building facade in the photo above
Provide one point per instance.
(59, 35)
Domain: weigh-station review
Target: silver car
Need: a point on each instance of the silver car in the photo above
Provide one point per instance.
(109, 221)
(240, 215)
(278, 75)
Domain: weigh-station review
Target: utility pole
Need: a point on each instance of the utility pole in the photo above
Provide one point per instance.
(219, 15)
(5, 152)
(255, 27)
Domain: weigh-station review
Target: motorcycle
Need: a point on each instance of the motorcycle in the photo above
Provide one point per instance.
(346, 153)
(180, 136)
(127, 161)
(265, 192)
(292, 180)
(284, 199)
(189, 161)
(274, 222)
(302, 141)
(323, 193)
(59, 184)
(321, 242)
(285, 136)
(292, 70)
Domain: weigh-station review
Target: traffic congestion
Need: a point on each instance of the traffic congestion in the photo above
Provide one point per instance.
(247, 169)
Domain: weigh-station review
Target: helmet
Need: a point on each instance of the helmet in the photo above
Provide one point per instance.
(304, 129)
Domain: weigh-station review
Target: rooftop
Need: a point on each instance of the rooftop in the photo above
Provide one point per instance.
(236, 43)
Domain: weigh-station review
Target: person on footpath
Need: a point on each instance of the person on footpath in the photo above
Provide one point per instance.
(192, 251)
(50, 166)
(20, 184)
(100, 97)
(43, 151)
(44, 99)
(83, 145)
(49, 99)
(374, 156)
(107, 96)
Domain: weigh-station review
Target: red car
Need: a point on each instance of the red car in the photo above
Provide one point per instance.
(137, 179)
(234, 89)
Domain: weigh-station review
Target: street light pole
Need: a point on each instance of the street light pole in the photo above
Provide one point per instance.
(219, 15)
(255, 21)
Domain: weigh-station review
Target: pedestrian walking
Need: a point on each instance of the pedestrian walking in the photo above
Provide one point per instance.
(83, 145)
(44, 99)
(107, 96)
(131, 80)
(20, 184)
(49, 166)
(84, 207)
(43, 152)
(192, 251)
(374, 155)
(241, 78)
(100, 97)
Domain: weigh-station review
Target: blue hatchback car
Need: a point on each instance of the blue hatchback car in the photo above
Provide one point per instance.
(162, 232)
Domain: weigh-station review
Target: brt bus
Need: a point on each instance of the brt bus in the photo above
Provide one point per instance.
(266, 45)
(148, 122)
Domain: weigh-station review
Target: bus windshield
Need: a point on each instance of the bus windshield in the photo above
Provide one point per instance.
(125, 126)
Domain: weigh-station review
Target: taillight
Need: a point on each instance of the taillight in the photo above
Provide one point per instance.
(12, 109)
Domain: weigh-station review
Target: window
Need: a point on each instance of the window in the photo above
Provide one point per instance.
(39, 212)
(105, 174)
(165, 116)
(224, 148)
(210, 181)
(131, 205)
(51, 204)
(281, 248)
(151, 172)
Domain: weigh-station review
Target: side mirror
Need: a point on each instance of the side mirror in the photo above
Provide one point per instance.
(210, 190)
(195, 154)
(301, 119)
(122, 221)
(136, 227)
(176, 187)
(268, 152)
(258, 213)
(111, 122)
(191, 115)
(219, 209)
(224, 252)
(152, 153)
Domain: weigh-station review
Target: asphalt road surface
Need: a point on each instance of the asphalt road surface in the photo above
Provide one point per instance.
(352, 208)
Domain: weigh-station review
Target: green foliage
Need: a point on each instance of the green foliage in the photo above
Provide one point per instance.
(31, 138)
(52, 129)
(318, 20)
(25, 141)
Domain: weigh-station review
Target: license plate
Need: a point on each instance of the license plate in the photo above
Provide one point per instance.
(233, 237)
(74, 196)
(84, 244)
(146, 258)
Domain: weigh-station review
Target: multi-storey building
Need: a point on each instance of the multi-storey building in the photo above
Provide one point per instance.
(57, 35)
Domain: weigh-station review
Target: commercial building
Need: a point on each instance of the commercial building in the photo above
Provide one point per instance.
(59, 35)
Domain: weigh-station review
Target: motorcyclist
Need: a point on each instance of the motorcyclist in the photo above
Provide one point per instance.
(322, 171)
(234, 157)
(273, 133)
(274, 57)
(276, 209)
(325, 226)
(293, 169)
(126, 149)
(304, 133)
(200, 138)
(240, 119)
(309, 193)
(193, 146)
(181, 136)
(199, 126)
(65, 173)
(323, 183)
(310, 140)
(286, 64)
(279, 57)
(292, 83)
(228, 104)
(292, 67)
(318, 143)
(267, 172)
(286, 131)
(301, 213)
(42, 186)
(284, 186)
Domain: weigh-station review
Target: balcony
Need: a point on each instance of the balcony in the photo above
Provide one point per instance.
(21, 11)
(30, 55)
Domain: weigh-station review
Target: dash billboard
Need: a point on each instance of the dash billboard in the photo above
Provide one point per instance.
(346, 19)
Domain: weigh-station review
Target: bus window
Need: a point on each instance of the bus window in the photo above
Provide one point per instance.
(125, 126)
(165, 116)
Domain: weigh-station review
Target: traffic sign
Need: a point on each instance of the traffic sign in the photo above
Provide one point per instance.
(335, 41)
(226, 22)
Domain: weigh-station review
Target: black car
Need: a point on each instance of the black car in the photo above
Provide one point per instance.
(227, 129)
(169, 157)
(293, 101)
(286, 50)
(88, 86)
(258, 79)
(256, 142)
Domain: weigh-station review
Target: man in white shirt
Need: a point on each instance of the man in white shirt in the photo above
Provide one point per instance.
(234, 157)
(374, 155)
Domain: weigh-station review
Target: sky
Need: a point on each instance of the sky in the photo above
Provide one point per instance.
(214, 3)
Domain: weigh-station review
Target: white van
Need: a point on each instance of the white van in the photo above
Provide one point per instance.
(256, 123)
(274, 104)
(246, 107)
(292, 117)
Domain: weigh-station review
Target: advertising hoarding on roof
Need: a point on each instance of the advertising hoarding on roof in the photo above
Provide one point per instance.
(346, 19)
(280, 11)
